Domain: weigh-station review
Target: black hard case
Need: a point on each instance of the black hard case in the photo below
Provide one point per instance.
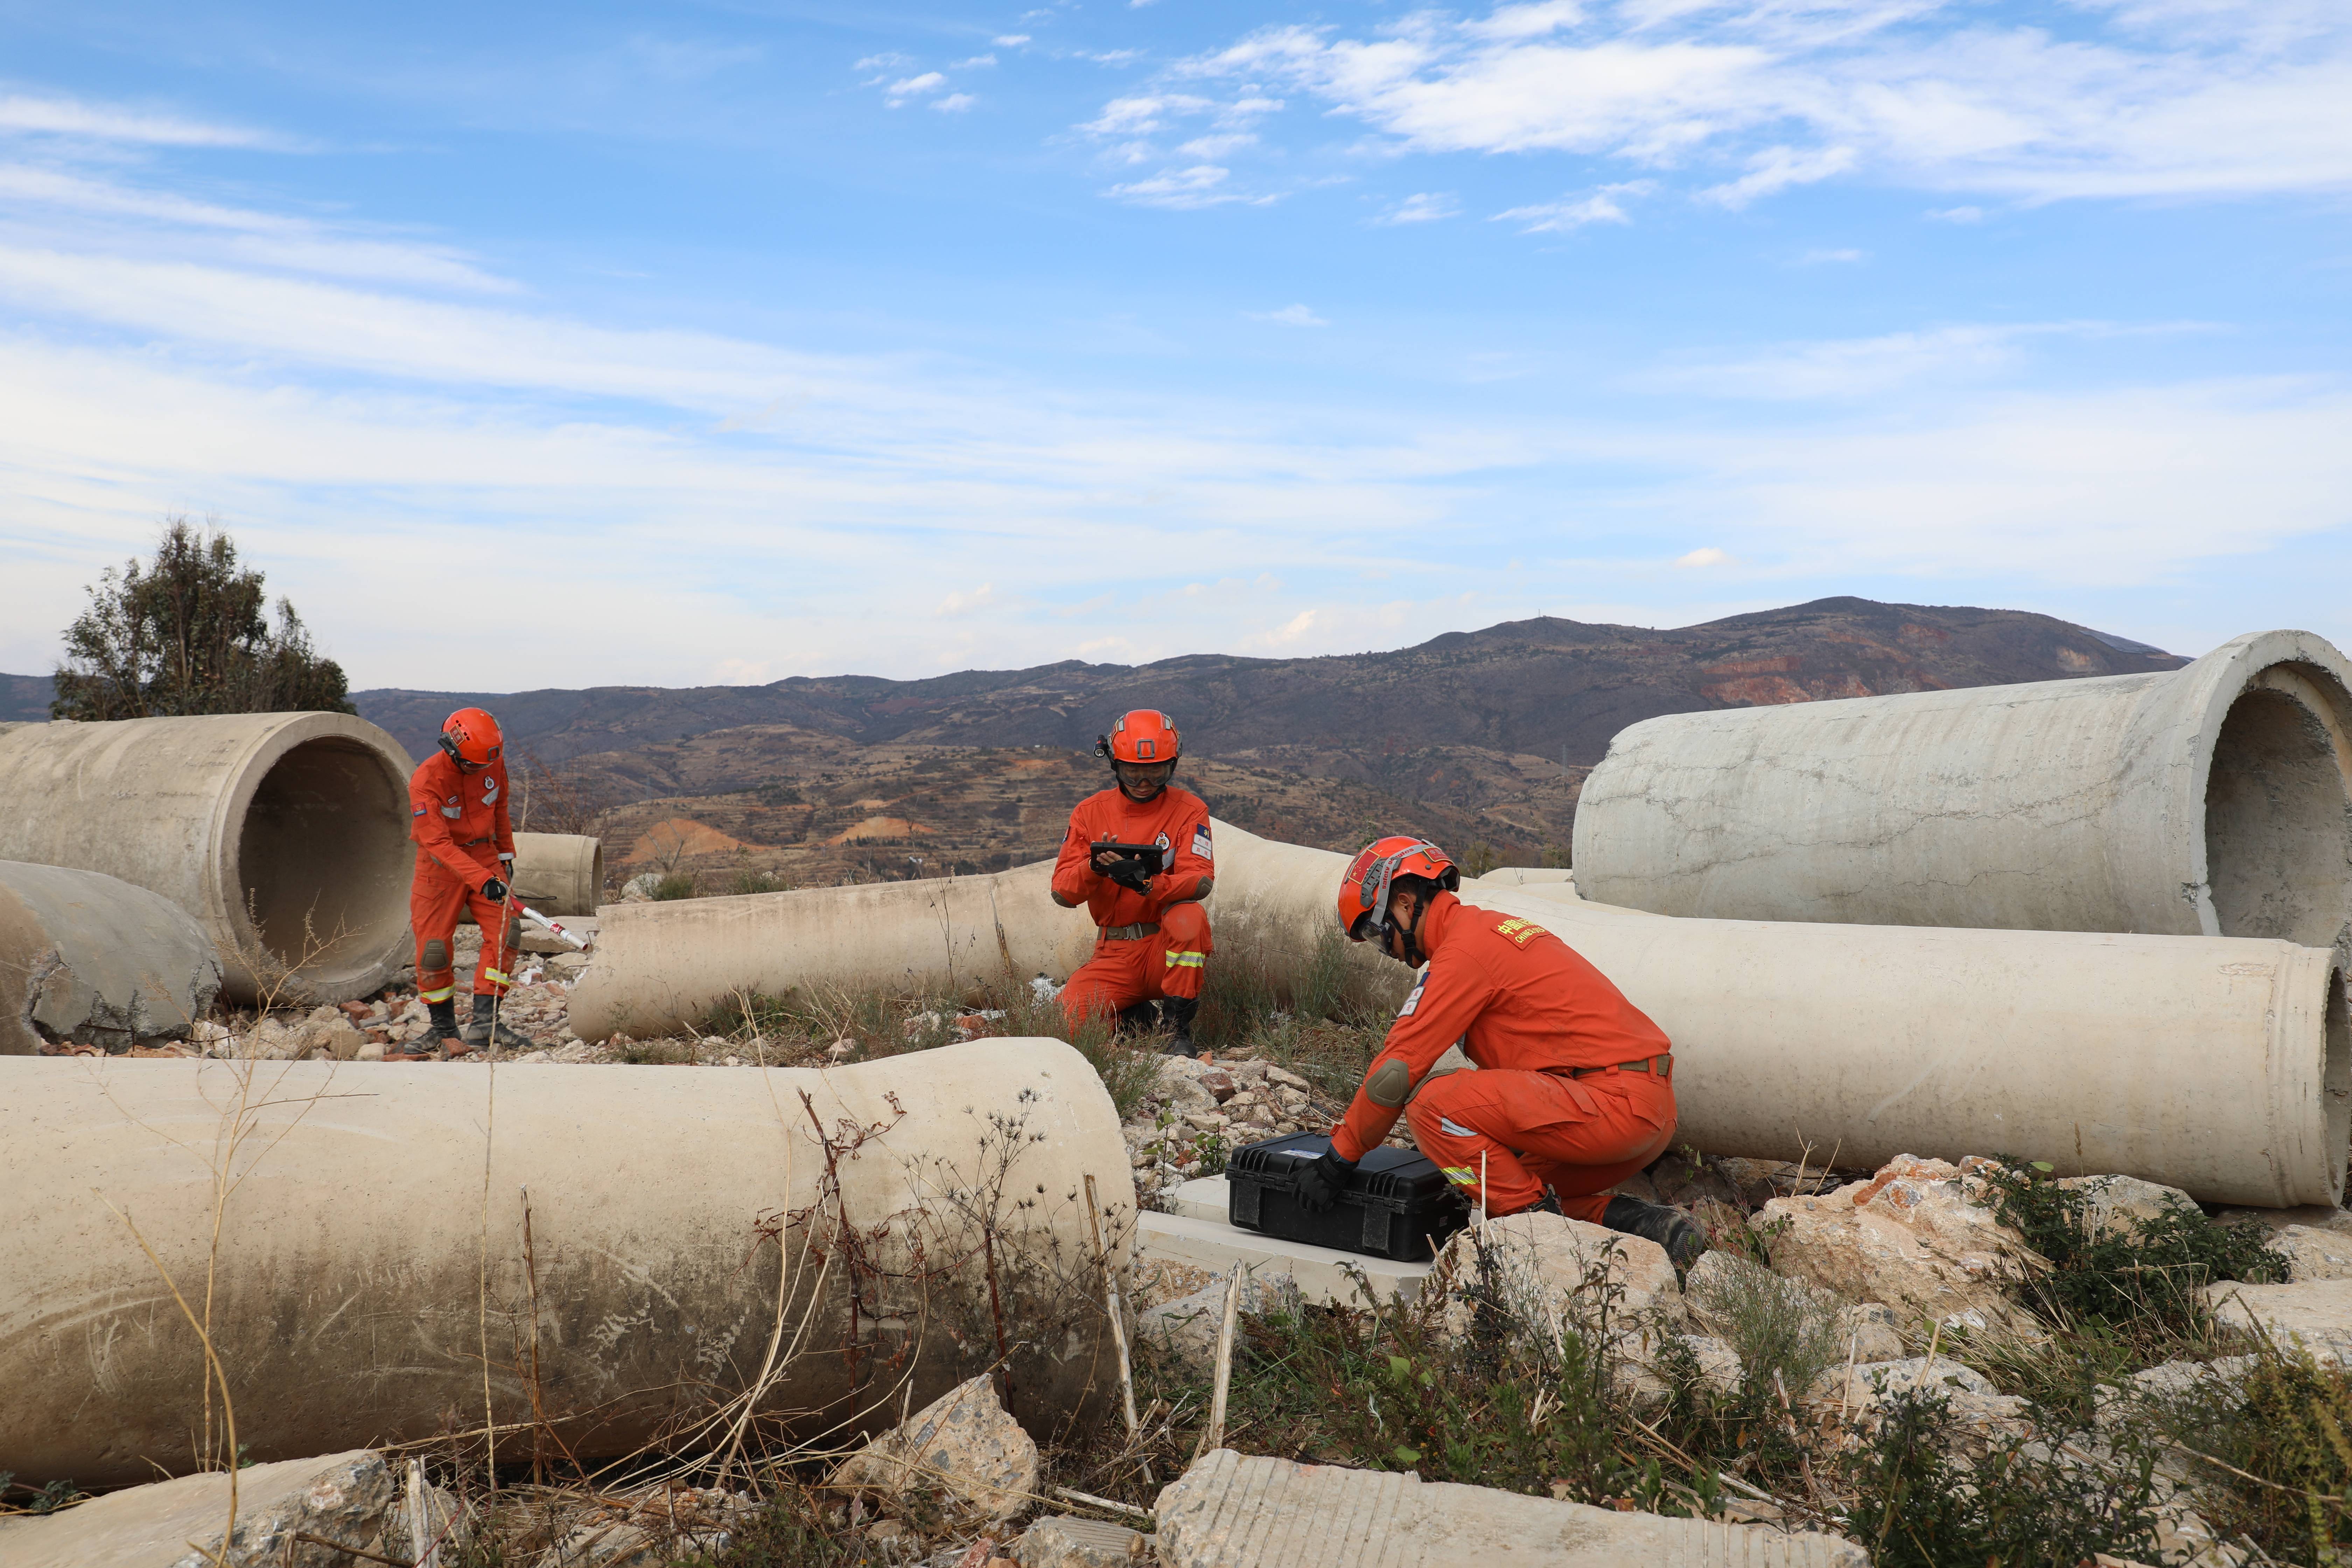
(1397, 1204)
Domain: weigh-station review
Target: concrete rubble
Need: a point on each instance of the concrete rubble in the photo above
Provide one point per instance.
(1186, 1329)
(2315, 1316)
(1919, 1235)
(1232, 1510)
(1061, 1541)
(87, 959)
(1559, 1277)
(962, 1446)
(351, 1498)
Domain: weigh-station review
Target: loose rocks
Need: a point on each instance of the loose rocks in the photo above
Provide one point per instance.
(1547, 1273)
(1187, 1328)
(962, 1444)
(2317, 1315)
(1916, 1236)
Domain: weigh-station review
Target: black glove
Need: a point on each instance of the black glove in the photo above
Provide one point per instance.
(495, 890)
(1320, 1184)
(1124, 870)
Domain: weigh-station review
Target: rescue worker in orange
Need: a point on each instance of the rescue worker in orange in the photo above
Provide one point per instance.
(1152, 936)
(458, 815)
(1574, 1091)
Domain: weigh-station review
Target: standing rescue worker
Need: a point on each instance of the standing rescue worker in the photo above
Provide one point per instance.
(458, 815)
(1152, 935)
(1574, 1091)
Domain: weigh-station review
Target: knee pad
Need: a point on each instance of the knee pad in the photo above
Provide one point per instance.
(437, 954)
(514, 936)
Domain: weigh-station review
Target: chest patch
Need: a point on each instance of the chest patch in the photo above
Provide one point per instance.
(489, 791)
(1520, 931)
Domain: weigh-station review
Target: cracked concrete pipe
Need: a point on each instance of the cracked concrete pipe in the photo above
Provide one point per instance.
(557, 874)
(88, 958)
(285, 834)
(2215, 800)
(665, 966)
(2219, 1065)
(348, 1302)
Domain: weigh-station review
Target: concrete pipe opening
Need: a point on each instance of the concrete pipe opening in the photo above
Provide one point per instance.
(320, 885)
(2278, 821)
(284, 834)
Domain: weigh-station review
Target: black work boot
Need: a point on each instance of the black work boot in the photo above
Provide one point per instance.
(1669, 1228)
(1176, 1013)
(440, 1031)
(1135, 1020)
(480, 1032)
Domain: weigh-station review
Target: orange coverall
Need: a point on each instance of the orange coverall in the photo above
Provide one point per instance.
(459, 822)
(1526, 1008)
(1165, 962)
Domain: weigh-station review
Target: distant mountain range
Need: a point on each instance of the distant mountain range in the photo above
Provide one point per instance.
(1489, 731)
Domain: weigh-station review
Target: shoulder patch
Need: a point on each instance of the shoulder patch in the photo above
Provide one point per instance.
(1201, 842)
(418, 811)
(1520, 931)
(1413, 1000)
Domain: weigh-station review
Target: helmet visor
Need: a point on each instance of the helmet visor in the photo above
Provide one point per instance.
(1145, 779)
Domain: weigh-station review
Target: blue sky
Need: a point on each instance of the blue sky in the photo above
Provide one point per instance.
(536, 345)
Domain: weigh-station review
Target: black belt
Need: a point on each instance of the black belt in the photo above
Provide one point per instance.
(1135, 932)
(1660, 1065)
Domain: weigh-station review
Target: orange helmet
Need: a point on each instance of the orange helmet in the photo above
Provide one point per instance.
(1364, 887)
(471, 737)
(1145, 735)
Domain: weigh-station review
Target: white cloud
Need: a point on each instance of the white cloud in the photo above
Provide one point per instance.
(954, 102)
(1010, 41)
(976, 62)
(1221, 145)
(1198, 186)
(75, 117)
(1958, 214)
(1290, 316)
(914, 87)
(1843, 257)
(1863, 367)
(1566, 217)
(884, 62)
(1422, 206)
(1709, 556)
(2160, 96)
(965, 602)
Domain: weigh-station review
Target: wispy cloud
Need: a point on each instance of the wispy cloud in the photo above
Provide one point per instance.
(80, 118)
(2134, 97)
(1422, 206)
(954, 102)
(1290, 316)
(914, 86)
(1566, 217)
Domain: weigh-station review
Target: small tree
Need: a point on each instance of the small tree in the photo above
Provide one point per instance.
(185, 633)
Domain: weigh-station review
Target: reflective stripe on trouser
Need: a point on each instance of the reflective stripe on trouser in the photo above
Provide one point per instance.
(435, 900)
(1122, 973)
(1578, 1136)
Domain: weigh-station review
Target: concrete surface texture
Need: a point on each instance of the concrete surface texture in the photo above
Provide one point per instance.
(351, 1497)
(1233, 1511)
(383, 1215)
(660, 966)
(1324, 1274)
(560, 874)
(284, 834)
(90, 958)
(2096, 1051)
(2215, 800)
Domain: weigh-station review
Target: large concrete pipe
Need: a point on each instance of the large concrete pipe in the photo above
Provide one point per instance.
(664, 967)
(285, 834)
(373, 1245)
(2219, 1065)
(88, 958)
(2215, 800)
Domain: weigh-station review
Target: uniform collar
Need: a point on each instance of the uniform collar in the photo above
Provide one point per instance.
(1435, 924)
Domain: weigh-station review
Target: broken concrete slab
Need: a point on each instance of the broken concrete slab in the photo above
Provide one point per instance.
(1061, 1541)
(1203, 1197)
(962, 1444)
(2124, 1202)
(2316, 1315)
(1916, 1235)
(1326, 1275)
(352, 1499)
(2313, 1254)
(95, 960)
(1230, 1510)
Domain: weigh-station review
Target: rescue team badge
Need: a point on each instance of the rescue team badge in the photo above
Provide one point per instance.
(1201, 842)
(1520, 931)
(1413, 1000)
(1162, 839)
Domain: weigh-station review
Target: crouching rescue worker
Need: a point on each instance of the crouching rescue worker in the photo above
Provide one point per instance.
(1152, 935)
(1574, 1091)
(458, 815)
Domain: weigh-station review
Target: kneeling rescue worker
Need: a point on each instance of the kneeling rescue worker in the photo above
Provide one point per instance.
(1575, 1087)
(458, 815)
(1152, 935)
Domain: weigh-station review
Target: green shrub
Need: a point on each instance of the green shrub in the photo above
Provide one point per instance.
(1775, 1325)
(674, 885)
